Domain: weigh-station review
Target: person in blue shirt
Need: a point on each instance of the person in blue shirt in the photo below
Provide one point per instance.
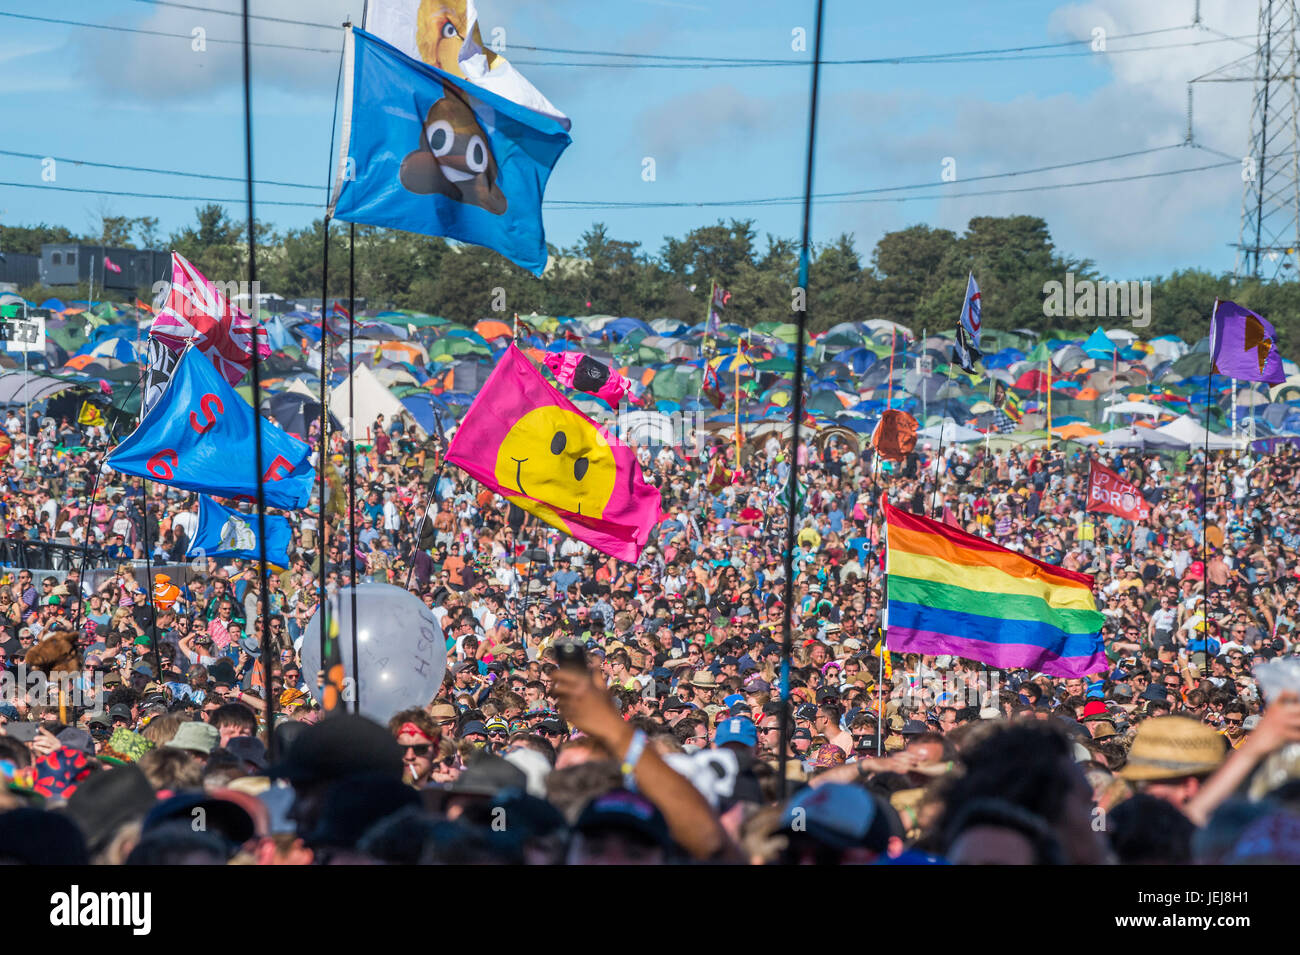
(564, 576)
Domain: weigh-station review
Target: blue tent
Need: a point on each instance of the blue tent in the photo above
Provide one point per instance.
(1098, 345)
(859, 359)
(1004, 358)
(620, 328)
(126, 330)
(422, 409)
(54, 305)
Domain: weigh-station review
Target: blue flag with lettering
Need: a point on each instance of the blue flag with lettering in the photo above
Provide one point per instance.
(433, 153)
(227, 533)
(199, 437)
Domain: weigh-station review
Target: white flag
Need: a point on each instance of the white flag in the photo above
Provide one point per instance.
(445, 34)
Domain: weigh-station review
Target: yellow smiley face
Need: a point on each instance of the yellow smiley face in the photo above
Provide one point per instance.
(555, 455)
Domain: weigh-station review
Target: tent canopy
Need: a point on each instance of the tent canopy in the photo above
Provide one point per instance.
(372, 400)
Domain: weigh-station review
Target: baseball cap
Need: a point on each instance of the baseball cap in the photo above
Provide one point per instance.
(839, 815)
(622, 811)
(737, 729)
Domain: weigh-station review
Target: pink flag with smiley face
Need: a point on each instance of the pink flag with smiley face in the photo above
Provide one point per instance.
(527, 442)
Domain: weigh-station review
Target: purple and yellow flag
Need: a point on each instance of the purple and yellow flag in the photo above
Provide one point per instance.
(527, 442)
(1244, 345)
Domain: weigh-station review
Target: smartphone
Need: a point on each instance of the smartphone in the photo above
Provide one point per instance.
(572, 654)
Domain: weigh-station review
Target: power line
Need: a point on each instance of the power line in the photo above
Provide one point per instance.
(995, 55)
(236, 13)
(616, 203)
(150, 195)
(922, 185)
(860, 200)
(931, 59)
(152, 171)
(746, 61)
(598, 206)
(830, 62)
(161, 33)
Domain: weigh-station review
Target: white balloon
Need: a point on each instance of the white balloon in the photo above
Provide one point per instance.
(401, 650)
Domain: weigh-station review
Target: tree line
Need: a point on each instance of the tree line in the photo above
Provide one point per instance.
(916, 276)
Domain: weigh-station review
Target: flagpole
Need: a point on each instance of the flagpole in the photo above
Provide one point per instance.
(801, 321)
(352, 464)
(1205, 476)
(148, 582)
(322, 457)
(1049, 402)
(264, 592)
(938, 461)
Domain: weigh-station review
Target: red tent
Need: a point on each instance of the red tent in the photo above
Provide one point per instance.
(1031, 381)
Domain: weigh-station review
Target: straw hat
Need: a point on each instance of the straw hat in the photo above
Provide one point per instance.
(1170, 747)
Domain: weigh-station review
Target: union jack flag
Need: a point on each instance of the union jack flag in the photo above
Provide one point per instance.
(194, 310)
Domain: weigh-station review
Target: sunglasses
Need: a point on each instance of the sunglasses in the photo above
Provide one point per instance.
(497, 734)
(421, 749)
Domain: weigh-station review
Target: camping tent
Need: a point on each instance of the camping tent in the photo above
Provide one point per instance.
(1190, 434)
(372, 400)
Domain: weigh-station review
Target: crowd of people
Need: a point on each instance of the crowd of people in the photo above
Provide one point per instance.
(595, 711)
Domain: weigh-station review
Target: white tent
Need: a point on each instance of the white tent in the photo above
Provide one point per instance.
(1169, 348)
(372, 398)
(1133, 407)
(876, 324)
(950, 433)
(1131, 438)
(1121, 335)
(647, 427)
(1191, 435)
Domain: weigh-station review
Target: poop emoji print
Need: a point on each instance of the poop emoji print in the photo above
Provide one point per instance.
(454, 157)
(432, 153)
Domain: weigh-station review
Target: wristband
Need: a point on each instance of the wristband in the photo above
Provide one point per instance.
(634, 751)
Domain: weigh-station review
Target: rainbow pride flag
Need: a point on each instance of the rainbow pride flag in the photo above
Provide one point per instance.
(953, 593)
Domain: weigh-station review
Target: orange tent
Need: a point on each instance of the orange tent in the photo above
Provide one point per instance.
(78, 362)
(1074, 431)
(491, 328)
(1088, 394)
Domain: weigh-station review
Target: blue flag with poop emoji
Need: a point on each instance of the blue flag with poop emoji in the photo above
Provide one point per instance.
(432, 153)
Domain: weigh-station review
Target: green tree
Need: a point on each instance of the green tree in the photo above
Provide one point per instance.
(907, 263)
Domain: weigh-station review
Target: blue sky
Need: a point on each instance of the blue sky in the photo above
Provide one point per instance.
(715, 134)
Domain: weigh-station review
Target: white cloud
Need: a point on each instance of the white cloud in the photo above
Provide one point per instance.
(1130, 229)
(137, 69)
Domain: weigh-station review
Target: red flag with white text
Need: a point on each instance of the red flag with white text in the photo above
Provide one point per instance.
(1108, 493)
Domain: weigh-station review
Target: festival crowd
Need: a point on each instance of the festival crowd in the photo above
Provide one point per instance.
(595, 711)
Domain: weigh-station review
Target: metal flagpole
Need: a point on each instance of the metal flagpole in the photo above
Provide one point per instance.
(1049, 402)
(1205, 475)
(322, 456)
(925, 400)
(27, 410)
(801, 321)
(352, 465)
(264, 590)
